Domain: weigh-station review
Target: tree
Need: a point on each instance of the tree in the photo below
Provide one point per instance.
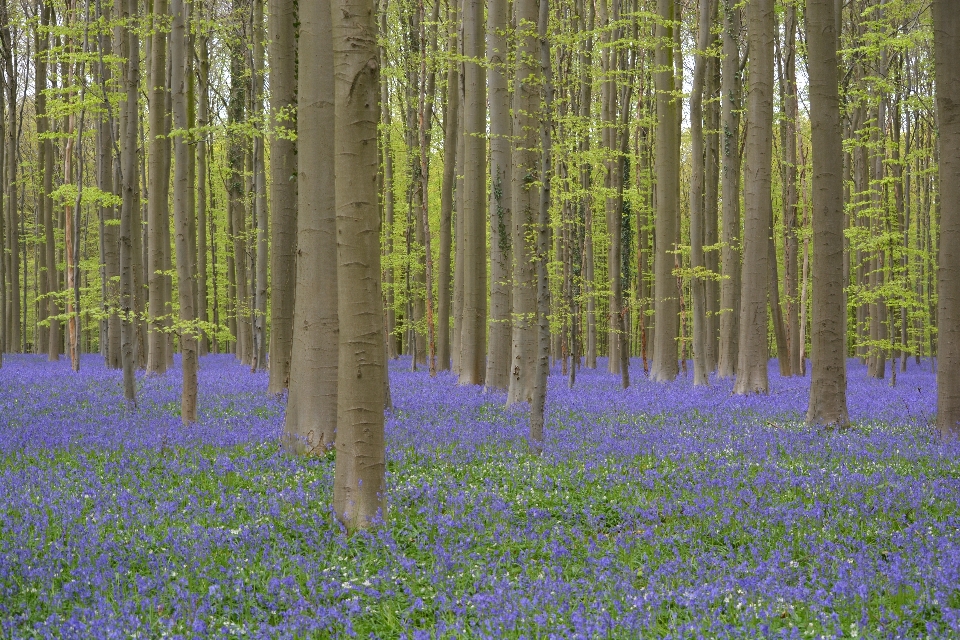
(473, 342)
(358, 488)
(730, 192)
(526, 200)
(946, 39)
(697, 204)
(828, 382)
(311, 420)
(182, 212)
(501, 190)
(157, 195)
(752, 364)
(666, 303)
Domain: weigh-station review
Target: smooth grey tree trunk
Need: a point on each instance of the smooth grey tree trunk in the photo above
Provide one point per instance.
(473, 345)
(359, 499)
(451, 126)
(500, 203)
(182, 212)
(666, 301)
(730, 267)
(260, 286)
(828, 380)
(753, 357)
(310, 424)
(157, 97)
(946, 40)
(526, 200)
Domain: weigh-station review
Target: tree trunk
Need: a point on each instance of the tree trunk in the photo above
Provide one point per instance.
(539, 398)
(946, 39)
(790, 218)
(697, 187)
(359, 489)
(526, 200)
(156, 94)
(259, 358)
(474, 331)
(451, 126)
(666, 302)
(182, 212)
(203, 73)
(828, 381)
(753, 357)
(501, 194)
(730, 193)
(311, 419)
(129, 190)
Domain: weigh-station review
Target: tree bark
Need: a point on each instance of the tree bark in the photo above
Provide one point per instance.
(946, 41)
(311, 419)
(697, 187)
(473, 334)
(666, 302)
(451, 126)
(182, 213)
(753, 357)
(730, 193)
(156, 94)
(501, 193)
(260, 217)
(359, 488)
(828, 382)
(526, 200)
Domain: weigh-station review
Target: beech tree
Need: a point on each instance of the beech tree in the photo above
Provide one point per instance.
(358, 487)
(946, 38)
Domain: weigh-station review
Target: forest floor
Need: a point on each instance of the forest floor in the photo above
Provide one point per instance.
(660, 511)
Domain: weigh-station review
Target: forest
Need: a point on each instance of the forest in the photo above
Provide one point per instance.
(480, 318)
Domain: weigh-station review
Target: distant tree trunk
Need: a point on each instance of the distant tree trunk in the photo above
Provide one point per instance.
(526, 200)
(946, 39)
(203, 73)
(828, 381)
(473, 334)
(711, 236)
(129, 189)
(586, 98)
(878, 308)
(539, 398)
(790, 218)
(182, 212)
(730, 193)
(697, 187)
(666, 302)
(451, 126)
(236, 206)
(754, 354)
(359, 488)
(156, 94)
(13, 338)
(44, 151)
(498, 356)
(259, 359)
(110, 258)
(311, 419)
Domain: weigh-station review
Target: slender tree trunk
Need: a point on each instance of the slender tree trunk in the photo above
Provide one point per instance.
(129, 190)
(752, 363)
(790, 218)
(311, 418)
(181, 210)
(828, 382)
(259, 325)
(156, 93)
(697, 187)
(501, 195)
(451, 126)
(202, 179)
(526, 200)
(359, 488)
(666, 302)
(539, 398)
(44, 151)
(586, 98)
(711, 236)
(946, 39)
(730, 193)
(473, 335)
